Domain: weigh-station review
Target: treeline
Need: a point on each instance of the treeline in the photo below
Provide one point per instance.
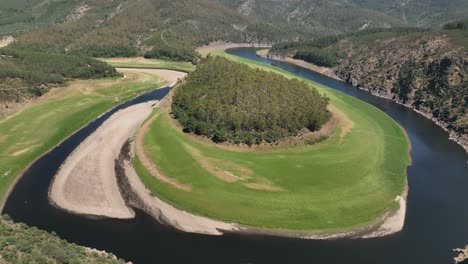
(30, 73)
(39, 68)
(173, 54)
(457, 25)
(229, 101)
(109, 51)
(322, 52)
(327, 41)
(319, 57)
(22, 244)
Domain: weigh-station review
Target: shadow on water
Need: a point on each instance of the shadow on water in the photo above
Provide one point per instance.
(437, 213)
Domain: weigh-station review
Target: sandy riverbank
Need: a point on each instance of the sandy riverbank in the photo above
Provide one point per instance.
(86, 182)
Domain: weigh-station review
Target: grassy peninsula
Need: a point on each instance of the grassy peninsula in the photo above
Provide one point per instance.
(347, 181)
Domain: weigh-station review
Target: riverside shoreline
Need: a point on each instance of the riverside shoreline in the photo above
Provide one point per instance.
(460, 139)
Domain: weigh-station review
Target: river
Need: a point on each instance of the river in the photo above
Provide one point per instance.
(436, 219)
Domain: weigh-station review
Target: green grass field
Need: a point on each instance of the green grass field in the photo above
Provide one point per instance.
(262, 52)
(338, 184)
(150, 64)
(35, 129)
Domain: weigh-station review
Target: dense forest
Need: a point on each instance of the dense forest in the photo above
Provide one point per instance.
(323, 51)
(228, 101)
(112, 28)
(22, 244)
(30, 73)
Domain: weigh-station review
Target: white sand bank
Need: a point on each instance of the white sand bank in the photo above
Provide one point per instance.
(86, 182)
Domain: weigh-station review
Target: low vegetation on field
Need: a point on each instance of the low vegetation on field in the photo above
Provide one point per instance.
(20, 243)
(228, 101)
(150, 64)
(346, 181)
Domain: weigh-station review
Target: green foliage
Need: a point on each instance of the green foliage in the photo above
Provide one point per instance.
(110, 51)
(27, 73)
(228, 101)
(20, 16)
(319, 57)
(22, 244)
(173, 54)
(457, 25)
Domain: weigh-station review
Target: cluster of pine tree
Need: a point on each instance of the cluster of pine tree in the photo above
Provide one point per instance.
(173, 54)
(228, 101)
(26, 73)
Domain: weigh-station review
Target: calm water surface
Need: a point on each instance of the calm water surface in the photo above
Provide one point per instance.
(436, 220)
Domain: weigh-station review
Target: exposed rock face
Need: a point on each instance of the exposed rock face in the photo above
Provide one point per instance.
(462, 256)
(425, 73)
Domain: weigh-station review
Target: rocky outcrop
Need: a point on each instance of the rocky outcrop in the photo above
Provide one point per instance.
(462, 256)
(426, 73)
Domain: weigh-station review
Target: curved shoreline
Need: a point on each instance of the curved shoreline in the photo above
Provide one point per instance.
(388, 223)
(86, 183)
(137, 195)
(452, 135)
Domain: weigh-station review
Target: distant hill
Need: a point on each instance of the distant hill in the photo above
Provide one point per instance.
(127, 28)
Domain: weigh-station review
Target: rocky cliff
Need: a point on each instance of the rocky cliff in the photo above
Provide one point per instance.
(426, 73)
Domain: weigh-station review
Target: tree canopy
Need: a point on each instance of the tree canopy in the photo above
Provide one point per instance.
(228, 101)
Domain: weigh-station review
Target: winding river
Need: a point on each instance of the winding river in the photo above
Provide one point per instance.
(436, 219)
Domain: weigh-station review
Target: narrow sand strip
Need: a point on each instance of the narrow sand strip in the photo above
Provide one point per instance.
(86, 182)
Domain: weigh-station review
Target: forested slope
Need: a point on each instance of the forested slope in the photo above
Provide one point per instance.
(22, 244)
(26, 74)
(426, 70)
(170, 29)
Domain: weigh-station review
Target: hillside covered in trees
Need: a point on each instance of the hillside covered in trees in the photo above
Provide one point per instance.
(228, 101)
(424, 69)
(170, 29)
(20, 243)
(28, 73)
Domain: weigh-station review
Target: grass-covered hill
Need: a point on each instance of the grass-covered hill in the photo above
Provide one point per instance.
(228, 101)
(426, 70)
